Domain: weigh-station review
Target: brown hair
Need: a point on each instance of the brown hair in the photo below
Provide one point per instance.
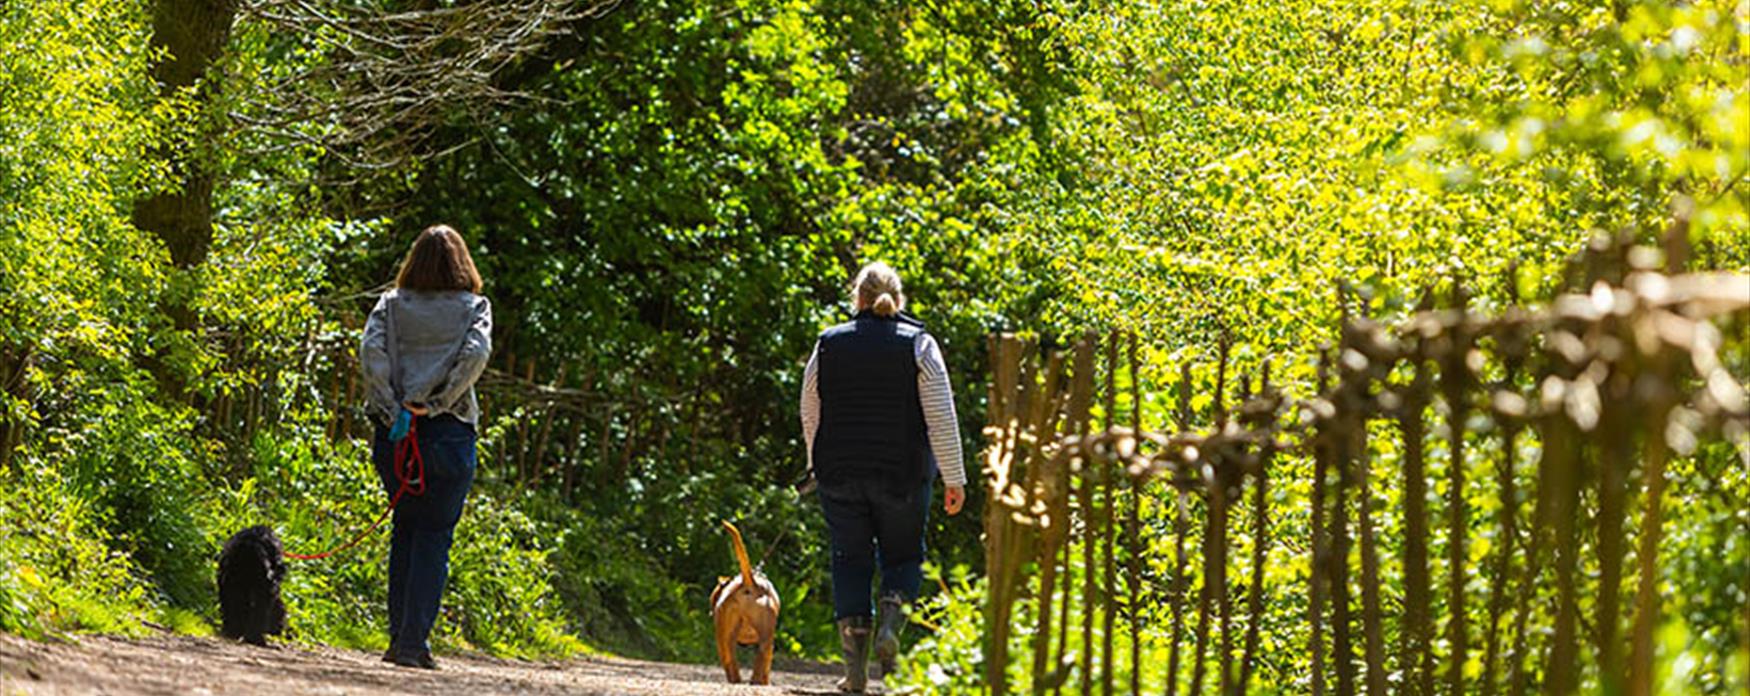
(439, 261)
(877, 288)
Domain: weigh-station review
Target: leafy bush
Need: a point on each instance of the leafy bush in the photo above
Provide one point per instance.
(949, 658)
(58, 568)
(133, 464)
(501, 596)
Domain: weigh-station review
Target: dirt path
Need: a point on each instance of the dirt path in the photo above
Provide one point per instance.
(174, 664)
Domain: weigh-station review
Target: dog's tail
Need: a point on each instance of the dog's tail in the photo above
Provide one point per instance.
(740, 555)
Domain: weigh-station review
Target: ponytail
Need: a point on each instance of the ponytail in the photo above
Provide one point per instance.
(877, 289)
(885, 305)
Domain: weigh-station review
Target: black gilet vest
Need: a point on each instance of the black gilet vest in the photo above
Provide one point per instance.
(871, 421)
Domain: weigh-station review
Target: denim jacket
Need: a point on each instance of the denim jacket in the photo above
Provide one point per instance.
(441, 344)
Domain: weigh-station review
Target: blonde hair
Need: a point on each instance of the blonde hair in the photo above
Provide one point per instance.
(877, 288)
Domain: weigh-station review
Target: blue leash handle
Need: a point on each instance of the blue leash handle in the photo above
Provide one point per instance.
(403, 421)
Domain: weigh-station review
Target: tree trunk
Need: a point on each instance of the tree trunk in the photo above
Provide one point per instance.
(14, 364)
(191, 33)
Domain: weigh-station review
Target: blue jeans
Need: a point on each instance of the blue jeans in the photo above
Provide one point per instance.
(874, 524)
(425, 525)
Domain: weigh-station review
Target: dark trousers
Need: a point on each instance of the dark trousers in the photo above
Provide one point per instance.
(425, 525)
(874, 524)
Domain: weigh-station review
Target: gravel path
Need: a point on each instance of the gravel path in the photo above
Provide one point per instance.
(175, 664)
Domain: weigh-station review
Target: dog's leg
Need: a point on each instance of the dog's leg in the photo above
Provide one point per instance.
(726, 652)
(262, 609)
(762, 661)
(248, 627)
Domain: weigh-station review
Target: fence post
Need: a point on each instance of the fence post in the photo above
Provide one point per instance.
(1046, 484)
(1561, 465)
(1320, 550)
(1080, 401)
(1508, 412)
(1108, 481)
(1337, 558)
(1647, 592)
(1181, 529)
(1414, 656)
(1356, 456)
(1260, 538)
(1133, 525)
(1454, 381)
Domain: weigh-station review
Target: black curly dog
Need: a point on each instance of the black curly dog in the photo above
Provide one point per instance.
(250, 570)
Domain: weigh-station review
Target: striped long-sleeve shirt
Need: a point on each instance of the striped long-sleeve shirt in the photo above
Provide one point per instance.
(934, 392)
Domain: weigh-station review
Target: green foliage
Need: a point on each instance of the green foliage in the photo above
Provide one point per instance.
(503, 598)
(949, 659)
(1242, 159)
(77, 284)
(669, 213)
(76, 279)
(1708, 554)
(59, 569)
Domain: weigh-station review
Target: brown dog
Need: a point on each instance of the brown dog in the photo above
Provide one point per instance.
(744, 611)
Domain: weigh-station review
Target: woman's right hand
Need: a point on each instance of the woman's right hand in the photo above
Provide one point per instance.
(953, 498)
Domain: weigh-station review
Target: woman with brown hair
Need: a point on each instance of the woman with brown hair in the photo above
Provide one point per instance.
(425, 344)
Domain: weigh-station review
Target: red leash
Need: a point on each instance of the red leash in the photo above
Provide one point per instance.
(409, 470)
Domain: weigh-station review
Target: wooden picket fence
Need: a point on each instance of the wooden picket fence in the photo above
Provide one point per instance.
(1061, 488)
(1574, 409)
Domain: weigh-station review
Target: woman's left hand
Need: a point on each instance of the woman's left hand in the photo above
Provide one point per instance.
(953, 498)
(415, 409)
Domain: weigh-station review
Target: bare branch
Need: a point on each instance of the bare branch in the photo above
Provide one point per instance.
(388, 82)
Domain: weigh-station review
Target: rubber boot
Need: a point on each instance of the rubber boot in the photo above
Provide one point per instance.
(890, 625)
(854, 637)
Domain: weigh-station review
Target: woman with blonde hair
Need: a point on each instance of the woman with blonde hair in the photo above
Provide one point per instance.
(425, 344)
(878, 419)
